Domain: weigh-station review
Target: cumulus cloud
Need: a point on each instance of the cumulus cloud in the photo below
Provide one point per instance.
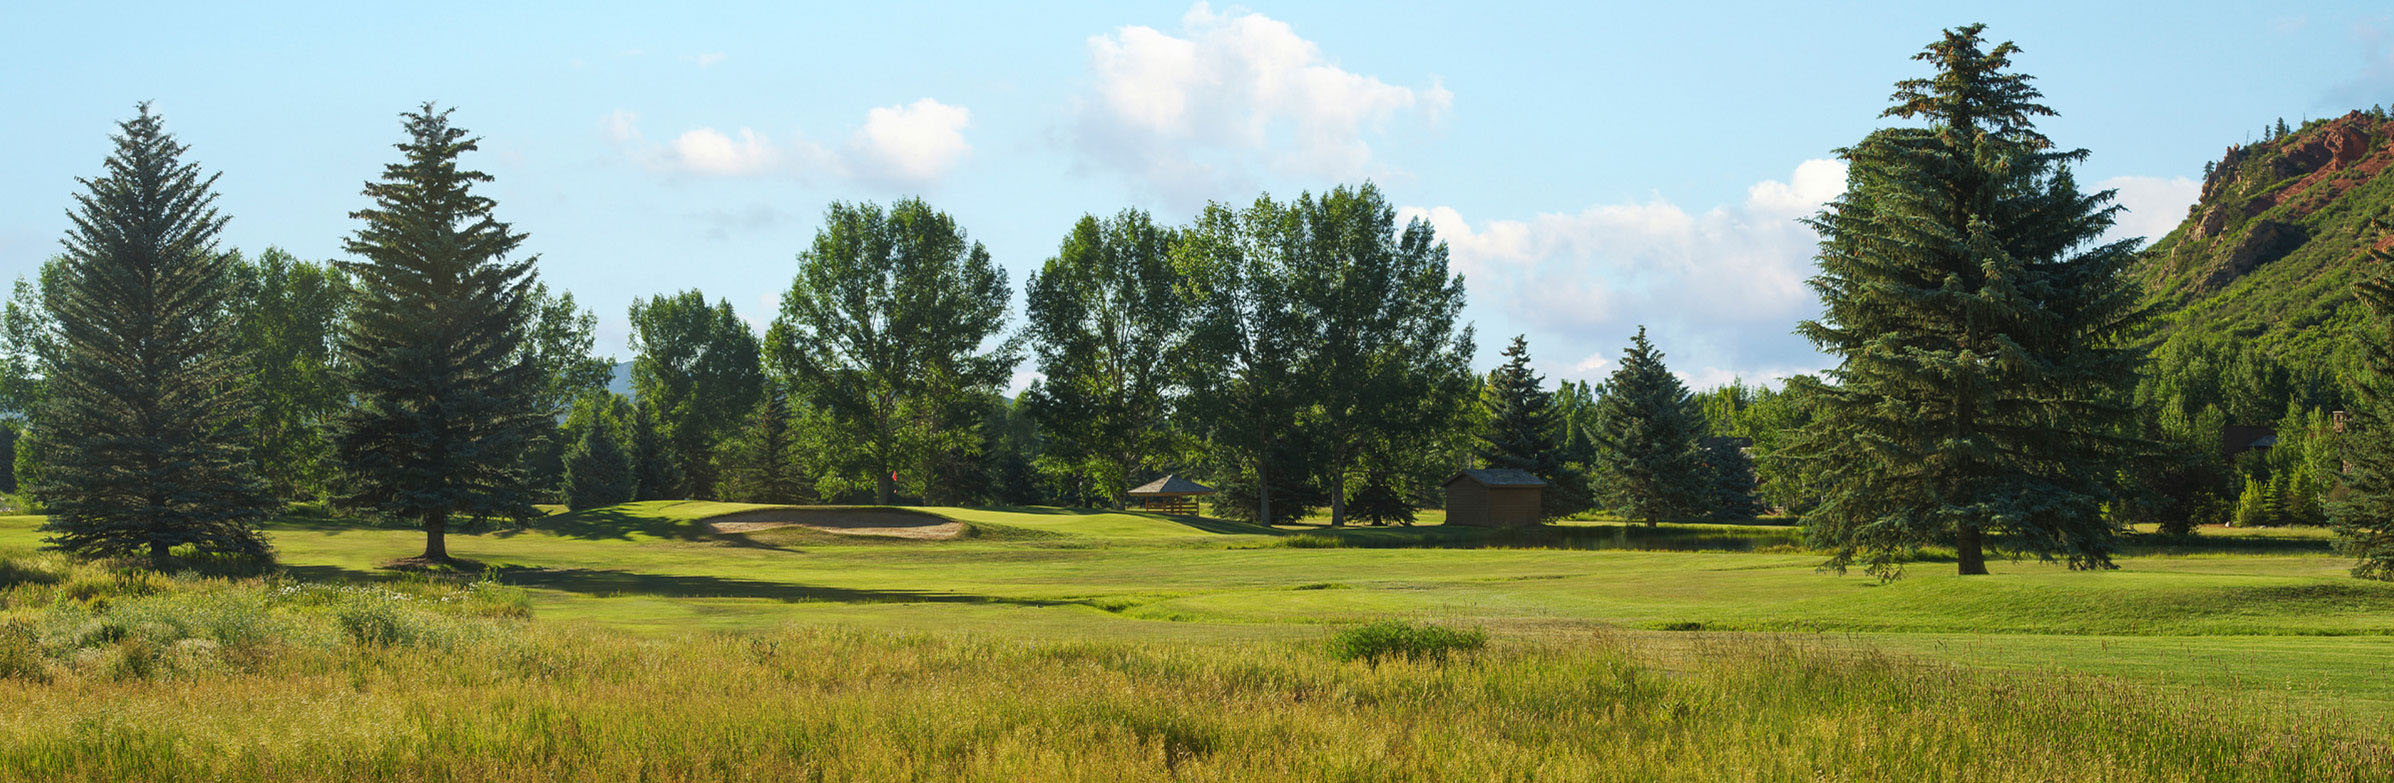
(2154, 205)
(1206, 108)
(919, 142)
(1721, 289)
(909, 145)
(710, 151)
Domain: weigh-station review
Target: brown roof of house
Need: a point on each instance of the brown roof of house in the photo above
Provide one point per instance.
(1498, 477)
(1171, 485)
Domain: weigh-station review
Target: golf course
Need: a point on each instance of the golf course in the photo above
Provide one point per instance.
(615, 642)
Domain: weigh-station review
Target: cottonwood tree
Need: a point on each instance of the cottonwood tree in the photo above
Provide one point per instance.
(1648, 464)
(289, 315)
(2364, 517)
(1109, 328)
(1248, 344)
(1522, 430)
(697, 372)
(887, 331)
(145, 424)
(563, 335)
(445, 392)
(1334, 331)
(1981, 326)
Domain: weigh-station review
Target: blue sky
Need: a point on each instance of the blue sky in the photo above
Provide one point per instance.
(1594, 166)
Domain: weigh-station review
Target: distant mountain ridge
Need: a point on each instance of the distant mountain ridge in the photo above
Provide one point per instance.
(2270, 251)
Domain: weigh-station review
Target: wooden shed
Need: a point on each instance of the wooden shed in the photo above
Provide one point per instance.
(1169, 495)
(1494, 498)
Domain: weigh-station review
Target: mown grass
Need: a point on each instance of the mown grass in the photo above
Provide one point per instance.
(313, 699)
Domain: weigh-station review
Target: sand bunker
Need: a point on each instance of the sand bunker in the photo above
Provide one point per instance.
(886, 522)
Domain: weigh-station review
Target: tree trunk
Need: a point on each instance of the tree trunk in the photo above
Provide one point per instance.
(1969, 549)
(1263, 498)
(1338, 500)
(436, 536)
(884, 488)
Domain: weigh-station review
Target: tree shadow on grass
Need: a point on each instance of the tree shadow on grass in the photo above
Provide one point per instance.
(607, 582)
(1199, 524)
(608, 523)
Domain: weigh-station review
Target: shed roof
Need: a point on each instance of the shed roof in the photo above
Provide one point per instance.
(1171, 485)
(1498, 477)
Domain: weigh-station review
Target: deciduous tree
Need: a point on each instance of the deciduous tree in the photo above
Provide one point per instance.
(890, 329)
(1109, 328)
(697, 373)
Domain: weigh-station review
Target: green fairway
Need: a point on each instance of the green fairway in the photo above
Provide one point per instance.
(2240, 620)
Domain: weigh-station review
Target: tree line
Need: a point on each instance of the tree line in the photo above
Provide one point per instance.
(1306, 355)
(1993, 394)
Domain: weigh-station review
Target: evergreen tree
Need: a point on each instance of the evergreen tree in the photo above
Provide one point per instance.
(1377, 503)
(2364, 518)
(1520, 431)
(1982, 333)
(1648, 466)
(760, 462)
(2252, 505)
(597, 472)
(145, 429)
(1730, 497)
(445, 391)
(655, 475)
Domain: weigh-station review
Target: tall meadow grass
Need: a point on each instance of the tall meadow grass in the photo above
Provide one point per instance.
(448, 682)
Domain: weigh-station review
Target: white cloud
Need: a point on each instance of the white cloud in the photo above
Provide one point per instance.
(919, 142)
(910, 145)
(1230, 95)
(2155, 205)
(706, 60)
(1721, 289)
(709, 151)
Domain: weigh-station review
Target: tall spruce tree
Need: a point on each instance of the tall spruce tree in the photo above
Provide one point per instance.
(2364, 517)
(1522, 431)
(145, 429)
(1648, 464)
(446, 394)
(1981, 331)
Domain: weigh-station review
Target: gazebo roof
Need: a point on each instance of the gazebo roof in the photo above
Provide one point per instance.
(1498, 477)
(1171, 485)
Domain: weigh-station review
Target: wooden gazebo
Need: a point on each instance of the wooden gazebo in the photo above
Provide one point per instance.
(1169, 495)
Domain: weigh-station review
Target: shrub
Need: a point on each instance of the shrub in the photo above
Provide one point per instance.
(1399, 639)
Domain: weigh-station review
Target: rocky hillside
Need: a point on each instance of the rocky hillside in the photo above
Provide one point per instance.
(2270, 252)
